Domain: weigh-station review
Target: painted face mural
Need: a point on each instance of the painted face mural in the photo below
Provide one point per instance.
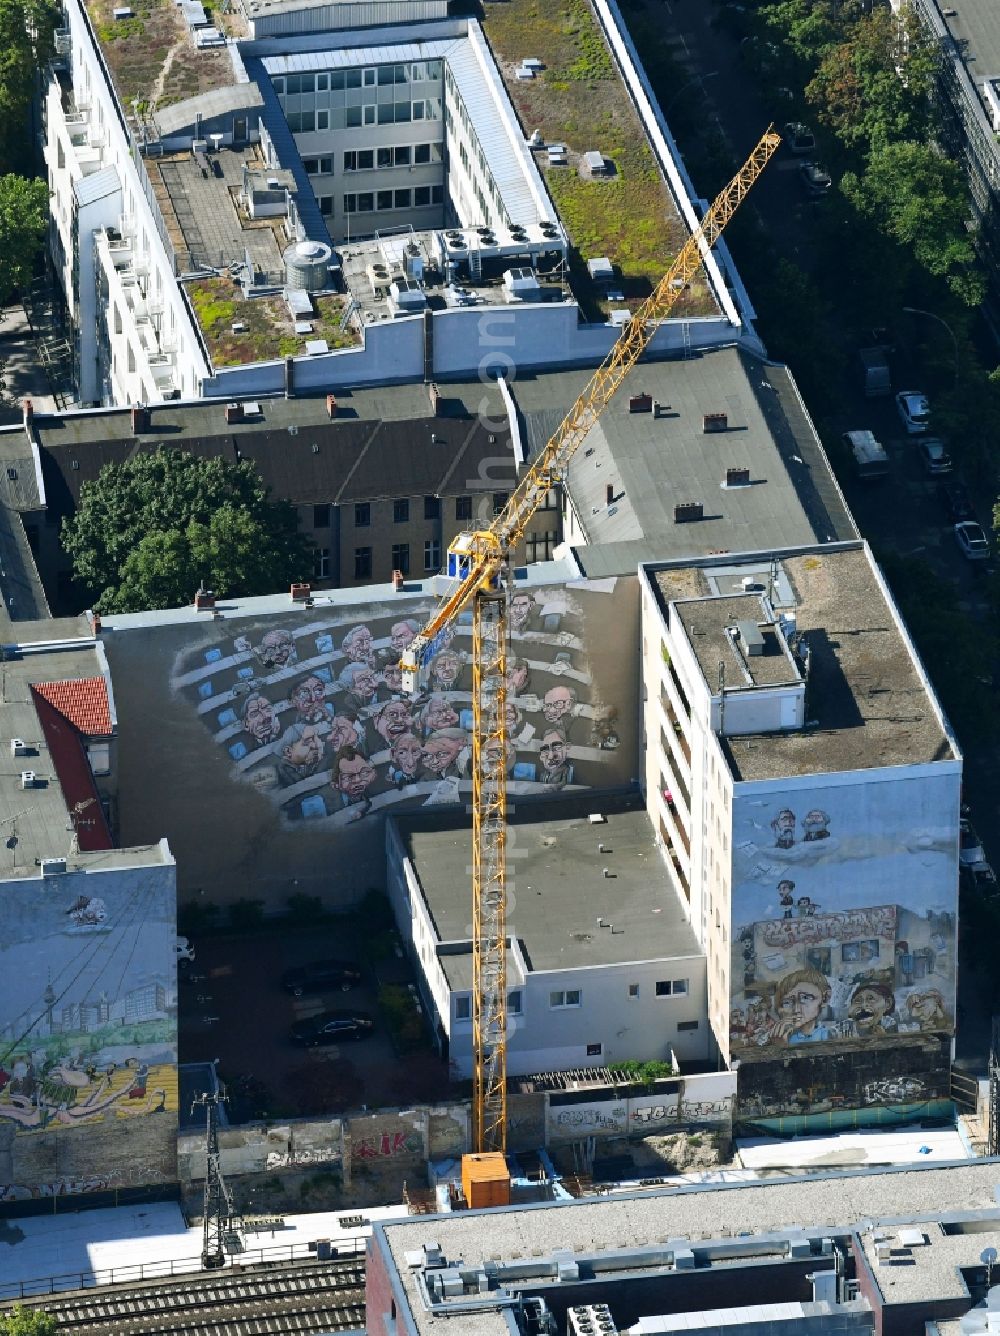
(844, 917)
(334, 739)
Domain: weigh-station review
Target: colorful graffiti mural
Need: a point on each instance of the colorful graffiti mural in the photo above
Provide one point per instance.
(88, 1029)
(313, 714)
(844, 912)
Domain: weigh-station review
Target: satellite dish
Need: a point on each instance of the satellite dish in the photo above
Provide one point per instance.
(988, 1256)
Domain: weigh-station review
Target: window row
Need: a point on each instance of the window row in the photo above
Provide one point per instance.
(305, 120)
(336, 80)
(400, 557)
(463, 1005)
(432, 509)
(401, 155)
(368, 201)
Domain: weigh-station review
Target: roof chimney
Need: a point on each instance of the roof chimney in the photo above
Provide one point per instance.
(611, 493)
(235, 413)
(28, 410)
(712, 422)
(640, 403)
(737, 477)
(434, 394)
(331, 405)
(204, 599)
(686, 511)
(140, 419)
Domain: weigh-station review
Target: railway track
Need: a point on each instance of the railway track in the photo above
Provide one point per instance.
(245, 1301)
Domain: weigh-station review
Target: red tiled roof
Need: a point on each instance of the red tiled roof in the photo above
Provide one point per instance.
(69, 756)
(84, 703)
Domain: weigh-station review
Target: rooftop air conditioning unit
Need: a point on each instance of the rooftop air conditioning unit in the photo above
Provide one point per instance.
(51, 867)
(18, 747)
(27, 779)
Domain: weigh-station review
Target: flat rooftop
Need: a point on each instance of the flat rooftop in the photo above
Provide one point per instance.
(868, 704)
(915, 1273)
(709, 624)
(975, 27)
(819, 1206)
(559, 883)
(653, 463)
(578, 99)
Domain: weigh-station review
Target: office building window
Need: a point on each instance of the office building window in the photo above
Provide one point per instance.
(594, 1050)
(321, 517)
(362, 563)
(633, 990)
(401, 558)
(463, 507)
(401, 511)
(515, 1003)
(565, 997)
(499, 501)
(432, 555)
(432, 507)
(362, 515)
(463, 1008)
(539, 546)
(383, 199)
(421, 197)
(687, 1025)
(322, 563)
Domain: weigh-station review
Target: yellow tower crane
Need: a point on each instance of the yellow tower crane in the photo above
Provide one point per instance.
(479, 563)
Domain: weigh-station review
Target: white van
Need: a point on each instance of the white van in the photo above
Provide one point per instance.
(870, 458)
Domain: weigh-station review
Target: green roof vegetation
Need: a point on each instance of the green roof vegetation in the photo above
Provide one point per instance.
(580, 100)
(268, 328)
(152, 56)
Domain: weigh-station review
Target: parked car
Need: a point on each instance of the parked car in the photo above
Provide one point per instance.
(958, 502)
(814, 179)
(799, 138)
(332, 1027)
(914, 410)
(970, 849)
(972, 542)
(876, 377)
(319, 976)
(935, 458)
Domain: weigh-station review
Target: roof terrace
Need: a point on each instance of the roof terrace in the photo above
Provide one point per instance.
(579, 100)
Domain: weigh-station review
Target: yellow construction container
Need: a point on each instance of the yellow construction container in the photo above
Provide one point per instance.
(485, 1180)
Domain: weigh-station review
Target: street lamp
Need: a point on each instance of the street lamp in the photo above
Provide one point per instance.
(915, 310)
(698, 79)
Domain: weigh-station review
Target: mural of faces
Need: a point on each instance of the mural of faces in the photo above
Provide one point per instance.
(359, 645)
(276, 650)
(343, 735)
(442, 751)
(519, 612)
(353, 775)
(445, 670)
(405, 758)
(558, 705)
(553, 755)
(309, 700)
(865, 970)
(259, 719)
(392, 720)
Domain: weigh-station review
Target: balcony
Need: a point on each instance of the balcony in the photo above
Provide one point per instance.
(675, 724)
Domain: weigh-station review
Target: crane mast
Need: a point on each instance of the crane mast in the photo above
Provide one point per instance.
(479, 563)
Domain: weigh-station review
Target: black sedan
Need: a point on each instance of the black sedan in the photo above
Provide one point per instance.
(958, 502)
(332, 1027)
(319, 976)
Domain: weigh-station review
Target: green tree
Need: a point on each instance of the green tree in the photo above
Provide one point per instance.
(26, 38)
(24, 208)
(918, 197)
(27, 1322)
(149, 531)
(875, 87)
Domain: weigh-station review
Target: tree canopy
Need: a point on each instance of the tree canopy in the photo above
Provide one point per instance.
(27, 1322)
(24, 209)
(875, 86)
(150, 530)
(918, 197)
(26, 37)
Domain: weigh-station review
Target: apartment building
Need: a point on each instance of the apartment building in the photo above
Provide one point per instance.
(337, 203)
(806, 786)
(595, 976)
